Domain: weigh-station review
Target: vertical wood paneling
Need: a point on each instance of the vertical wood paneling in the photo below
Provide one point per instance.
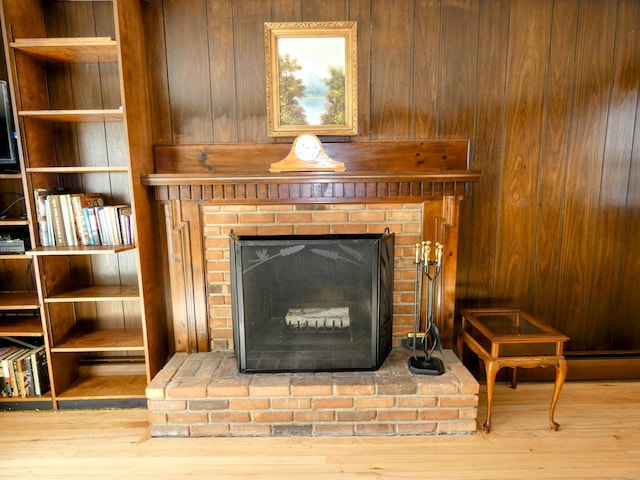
(596, 26)
(361, 13)
(221, 61)
(626, 331)
(391, 88)
(558, 104)
(287, 10)
(157, 72)
(323, 11)
(480, 234)
(185, 22)
(546, 91)
(249, 18)
(458, 63)
(425, 72)
(526, 74)
(615, 175)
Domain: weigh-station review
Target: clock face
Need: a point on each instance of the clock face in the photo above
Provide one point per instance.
(307, 147)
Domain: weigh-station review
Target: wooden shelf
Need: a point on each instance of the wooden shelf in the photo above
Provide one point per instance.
(42, 398)
(76, 170)
(20, 326)
(80, 250)
(13, 222)
(97, 293)
(18, 301)
(10, 176)
(106, 387)
(14, 256)
(93, 115)
(69, 50)
(111, 340)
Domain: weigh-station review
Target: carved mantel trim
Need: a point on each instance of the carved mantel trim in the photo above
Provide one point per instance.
(433, 173)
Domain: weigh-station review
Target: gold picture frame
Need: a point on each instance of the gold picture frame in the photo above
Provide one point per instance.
(312, 74)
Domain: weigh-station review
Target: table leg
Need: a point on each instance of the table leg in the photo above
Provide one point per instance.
(561, 374)
(514, 380)
(491, 370)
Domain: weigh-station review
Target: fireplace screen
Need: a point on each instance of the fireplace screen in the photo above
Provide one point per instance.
(312, 303)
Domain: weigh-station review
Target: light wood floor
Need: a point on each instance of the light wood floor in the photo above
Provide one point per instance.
(599, 438)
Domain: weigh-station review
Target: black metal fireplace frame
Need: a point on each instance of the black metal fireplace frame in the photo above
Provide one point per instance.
(381, 299)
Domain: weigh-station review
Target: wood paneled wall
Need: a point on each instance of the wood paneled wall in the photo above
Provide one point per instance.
(547, 92)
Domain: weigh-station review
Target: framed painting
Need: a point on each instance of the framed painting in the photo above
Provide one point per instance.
(312, 77)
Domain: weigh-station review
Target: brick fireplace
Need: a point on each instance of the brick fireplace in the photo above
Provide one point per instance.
(411, 188)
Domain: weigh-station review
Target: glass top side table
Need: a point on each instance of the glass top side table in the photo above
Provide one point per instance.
(511, 338)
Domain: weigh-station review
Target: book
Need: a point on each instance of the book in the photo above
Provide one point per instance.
(5, 383)
(42, 217)
(11, 385)
(22, 377)
(59, 236)
(92, 225)
(40, 371)
(70, 231)
(80, 201)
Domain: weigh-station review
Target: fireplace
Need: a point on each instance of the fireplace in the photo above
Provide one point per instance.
(312, 302)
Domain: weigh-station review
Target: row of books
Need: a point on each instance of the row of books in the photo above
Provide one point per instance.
(72, 219)
(24, 372)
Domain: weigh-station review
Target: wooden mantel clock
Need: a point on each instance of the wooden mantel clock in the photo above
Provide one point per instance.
(307, 155)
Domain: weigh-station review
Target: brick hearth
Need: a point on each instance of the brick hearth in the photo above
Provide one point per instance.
(203, 394)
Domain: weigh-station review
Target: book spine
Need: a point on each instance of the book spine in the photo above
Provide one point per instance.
(60, 239)
(70, 233)
(78, 215)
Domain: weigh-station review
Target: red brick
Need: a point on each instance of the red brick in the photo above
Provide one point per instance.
(169, 430)
(447, 402)
(187, 417)
(250, 430)
(417, 428)
(164, 405)
(417, 402)
(272, 416)
(229, 417)
(314, 416)
(330, 217)
(438, 414)
(229, 387)
(245, 218)
(296, 217)
(190, 388)
(156, 418)
(269, 386)
(248, 404)
(209, 430)
(332, 429)
(375, 402)
(375, 428)
(334, 402)
(397, 415)
(356, 416)
(290, 403)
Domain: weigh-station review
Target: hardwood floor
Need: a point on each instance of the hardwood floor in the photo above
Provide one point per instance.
(599, 438)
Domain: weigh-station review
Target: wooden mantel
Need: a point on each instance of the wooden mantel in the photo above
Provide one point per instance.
(433, 173)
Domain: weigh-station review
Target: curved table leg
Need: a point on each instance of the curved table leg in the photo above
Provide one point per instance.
(491, 369)
(561, 374)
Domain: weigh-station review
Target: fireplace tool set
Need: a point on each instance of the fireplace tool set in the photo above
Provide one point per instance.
(429, 340)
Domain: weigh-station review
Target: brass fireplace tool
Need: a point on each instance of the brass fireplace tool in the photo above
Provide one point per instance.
(429, 339)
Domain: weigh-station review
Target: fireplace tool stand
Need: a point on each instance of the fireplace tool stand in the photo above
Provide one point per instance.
(429, 340)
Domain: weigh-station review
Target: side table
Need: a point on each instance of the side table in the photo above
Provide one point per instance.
(511, 338)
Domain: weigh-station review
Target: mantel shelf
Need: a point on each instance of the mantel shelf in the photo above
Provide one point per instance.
(376, 172)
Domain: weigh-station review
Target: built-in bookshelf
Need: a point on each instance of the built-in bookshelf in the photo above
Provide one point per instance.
(78, 79)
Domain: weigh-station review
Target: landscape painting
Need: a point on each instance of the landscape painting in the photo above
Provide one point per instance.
(311, 78)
